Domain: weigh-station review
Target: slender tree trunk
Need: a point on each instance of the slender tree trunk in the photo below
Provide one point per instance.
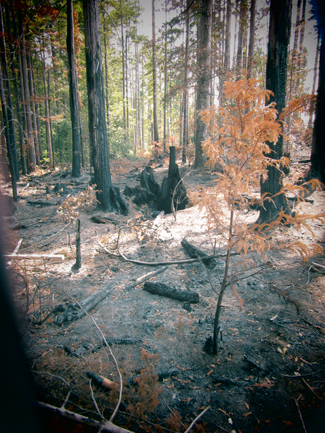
(165, 82)
(241, 36)
(227, 38)
(204, 77)
(310, 121)
(154, 77)
(26, 102)
(10, 122)
(108, 197)
(276, 76)
(9, 147)
(251, 39)
(47, 115)
(318, 149)
(185, 96)
(107, 90)
(123, 71)
(302, 36)
(73, 84)
(33, 106)
(16, 63)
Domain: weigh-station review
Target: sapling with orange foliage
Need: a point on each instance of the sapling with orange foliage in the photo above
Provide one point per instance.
(239, 150)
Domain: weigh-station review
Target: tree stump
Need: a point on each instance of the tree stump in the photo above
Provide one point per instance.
(173, 193)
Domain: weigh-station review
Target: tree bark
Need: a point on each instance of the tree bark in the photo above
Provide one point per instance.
(7, 135)
(251, 39)
(73, 84)
(26, 97)
(318, 149)
(276, 73)
(8, 105)
(204, 77)
(241, 36)
(154, 77)
(185, 96)
(19, 118)
(107, 196)
(123, 71)
(47, 120)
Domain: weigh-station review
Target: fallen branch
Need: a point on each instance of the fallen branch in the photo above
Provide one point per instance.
(197, 418)
(107, 427)
(34, 256)
(300, 415)
(171, 292)
(73, 312)
(163, 263)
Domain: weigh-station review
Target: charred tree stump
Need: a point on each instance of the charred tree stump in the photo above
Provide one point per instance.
(173, 193)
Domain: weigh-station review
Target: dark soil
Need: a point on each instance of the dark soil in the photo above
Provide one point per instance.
(269, 372)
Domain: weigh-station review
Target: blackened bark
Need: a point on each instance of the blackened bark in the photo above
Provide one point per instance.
(186, 121)
(251, 39)
(154, 76)
(204, 77)
(108, 197)
(73, 83)
(318, 147)
(276, 74)
(6, 87)
(28, 117)
(7, 135)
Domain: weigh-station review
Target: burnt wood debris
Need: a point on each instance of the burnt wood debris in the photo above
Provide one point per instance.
(170, 197)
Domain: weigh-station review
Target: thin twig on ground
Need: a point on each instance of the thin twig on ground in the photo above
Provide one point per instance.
(300, 415)
(197, 418)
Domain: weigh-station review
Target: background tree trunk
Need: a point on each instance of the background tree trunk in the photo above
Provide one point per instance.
(73, 83)
(204, 77)
(107, 196)
(251, 39)
(276, 74)
(154, 77)
(26, 97)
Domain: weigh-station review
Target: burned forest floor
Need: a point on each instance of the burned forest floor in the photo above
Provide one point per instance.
(269, 373)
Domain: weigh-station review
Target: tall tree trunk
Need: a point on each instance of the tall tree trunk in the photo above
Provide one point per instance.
(185, 96)
(227, 38)
(310, 121)
(165, 82)
(154, 77)
(108, 197)
(251, 39)
(106, 89)
(26, 102)
(302, 36)
(241, 36)
(9, 147)
(47, 115)
(204, 76)
(123, 72)
(276, 76)
(73, 84)
(10, 122)
(33, 106)
(318, 149)
(14, 59)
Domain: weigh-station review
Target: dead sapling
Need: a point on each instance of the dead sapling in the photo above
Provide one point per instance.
(240, 150)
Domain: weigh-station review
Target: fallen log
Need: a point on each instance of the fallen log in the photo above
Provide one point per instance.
(171, 292)
(194, 252)
(73, 311)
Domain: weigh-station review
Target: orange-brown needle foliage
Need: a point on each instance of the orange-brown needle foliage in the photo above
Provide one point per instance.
(239, 150)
